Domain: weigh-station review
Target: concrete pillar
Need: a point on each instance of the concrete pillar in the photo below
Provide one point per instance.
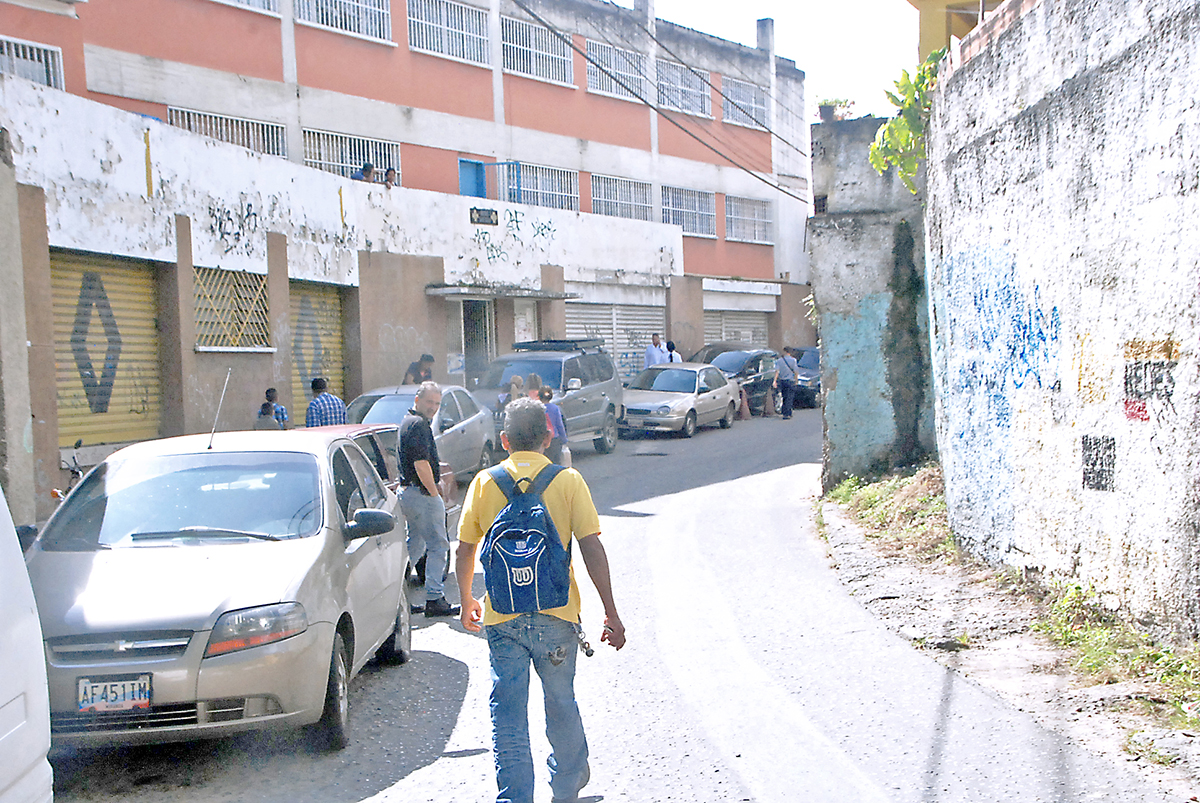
(177, 336)
(279, 302)
(397, 321)
(352, 339)
(506, 325)
(685, 313)
(16, 417)
(39, 330)
(552, 313)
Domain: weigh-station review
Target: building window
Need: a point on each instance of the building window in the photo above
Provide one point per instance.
(743, 103)
(820, 203)
(748, 220)
(370, 18)
(271, 6)
(683, 89)
(622, 197)
(343, 154)
(268, 138)
(540, 186)
(624, 70)
(536, 52)
(231, 310)
(693, 210)
(40, 63)
(449, 29)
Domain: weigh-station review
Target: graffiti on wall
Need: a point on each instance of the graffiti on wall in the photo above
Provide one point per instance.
(233, 227)
(1150, 378)
(97, 388)
(1099, 462)
(504, 247)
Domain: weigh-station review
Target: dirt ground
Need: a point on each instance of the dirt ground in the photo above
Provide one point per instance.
(969, 619)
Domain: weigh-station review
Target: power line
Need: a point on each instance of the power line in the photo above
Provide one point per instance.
(567, 40)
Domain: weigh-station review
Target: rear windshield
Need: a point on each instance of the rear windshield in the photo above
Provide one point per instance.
(731, 361)
(811, 359)
(389, 409)
(668, 380)
(501, 371)
(177, 500)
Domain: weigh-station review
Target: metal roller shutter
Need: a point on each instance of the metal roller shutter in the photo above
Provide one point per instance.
(736, 325)
(590, 321)
(317, 347)
(634, 326)
(105, 349)
(713, 329)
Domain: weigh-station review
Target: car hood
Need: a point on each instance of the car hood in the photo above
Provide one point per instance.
(653, 398)
(164, 588)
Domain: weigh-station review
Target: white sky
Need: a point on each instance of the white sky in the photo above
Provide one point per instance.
(851, 49)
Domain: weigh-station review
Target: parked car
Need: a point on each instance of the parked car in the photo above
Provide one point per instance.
(754, 370)
(585, 384)
(462, 428)
(204, 585)
(679, 397)
(711, 350)
(808, 383)
(25, 774)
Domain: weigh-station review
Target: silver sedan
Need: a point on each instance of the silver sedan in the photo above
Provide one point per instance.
(194, 587)
(679, 397)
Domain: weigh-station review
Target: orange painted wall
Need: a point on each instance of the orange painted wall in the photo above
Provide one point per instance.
(352, 66)
(747, 147)
(197, 32)
(585, 191)
(425, 168)
(720, 257)
(49, 29)
(574, 112)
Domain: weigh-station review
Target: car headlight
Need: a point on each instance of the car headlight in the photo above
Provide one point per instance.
(253, 627)
(662, 410)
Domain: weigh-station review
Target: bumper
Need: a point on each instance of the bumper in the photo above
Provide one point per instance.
(276, 685)
(652, 423)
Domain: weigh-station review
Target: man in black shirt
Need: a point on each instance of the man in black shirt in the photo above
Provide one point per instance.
(421, 499)
(419, 371)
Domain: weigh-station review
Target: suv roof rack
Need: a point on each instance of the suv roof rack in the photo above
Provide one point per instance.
(559, 345)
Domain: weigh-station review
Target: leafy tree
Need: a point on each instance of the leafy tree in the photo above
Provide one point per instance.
(901, 140)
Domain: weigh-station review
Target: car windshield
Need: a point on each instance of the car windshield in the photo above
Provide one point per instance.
(501, 371)
(811, 359)
(389, 409)
(667, 380)
(731, 361)
(178, 500)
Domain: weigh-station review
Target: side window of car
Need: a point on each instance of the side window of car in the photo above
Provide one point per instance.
(596, 368)
(372, 489)
(712, 379)
(374, 454)
(572, 370)
(345, 486)
(448, 414)
(768, 363)
(466, 404)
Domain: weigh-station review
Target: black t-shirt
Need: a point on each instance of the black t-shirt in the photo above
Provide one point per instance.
(419, 376)
(416, 443)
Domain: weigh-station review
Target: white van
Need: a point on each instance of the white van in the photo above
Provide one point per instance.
(25, 774)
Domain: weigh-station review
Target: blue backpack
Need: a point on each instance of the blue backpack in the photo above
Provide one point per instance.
(525, 567)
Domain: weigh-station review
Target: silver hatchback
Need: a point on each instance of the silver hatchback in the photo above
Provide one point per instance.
(190, 588)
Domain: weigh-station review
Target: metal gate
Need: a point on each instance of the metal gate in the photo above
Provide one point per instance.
(735, 325)
(105, 349)
(626, 330)
(317, 347)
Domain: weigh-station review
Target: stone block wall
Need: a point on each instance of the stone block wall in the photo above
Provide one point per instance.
(1064, 269)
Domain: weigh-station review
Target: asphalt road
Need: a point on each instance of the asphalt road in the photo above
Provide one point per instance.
(749, 674)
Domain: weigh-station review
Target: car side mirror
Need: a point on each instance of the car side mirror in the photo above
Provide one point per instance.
(574, 383)
(369, 521)
(446, 423)
(26, 535)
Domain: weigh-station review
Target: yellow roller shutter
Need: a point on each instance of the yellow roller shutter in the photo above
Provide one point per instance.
(105, 349)
(317, 348)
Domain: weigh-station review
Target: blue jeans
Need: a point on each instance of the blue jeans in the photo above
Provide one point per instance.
(788, 391)
(551, 645)
(426, 520)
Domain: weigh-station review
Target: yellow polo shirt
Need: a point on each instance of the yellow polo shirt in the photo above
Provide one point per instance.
(568, 500)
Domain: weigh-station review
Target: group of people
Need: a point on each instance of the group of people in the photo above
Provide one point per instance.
(367, 173)
(657, 353)
(532, 387)
(325, 408)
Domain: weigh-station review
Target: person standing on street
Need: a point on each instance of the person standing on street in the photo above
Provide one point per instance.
(548, 639)
(325, 408)
(421, 499)
(672, 354)
(655, 353)
(419, 371)
(277, 410)
(786, 372)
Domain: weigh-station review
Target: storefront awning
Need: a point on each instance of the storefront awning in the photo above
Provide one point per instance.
(480, 292)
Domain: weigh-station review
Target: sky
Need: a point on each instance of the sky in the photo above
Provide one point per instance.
(851, 49)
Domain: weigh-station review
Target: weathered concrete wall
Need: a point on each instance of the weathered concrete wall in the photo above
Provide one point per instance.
(1064, 261)
(867, 258)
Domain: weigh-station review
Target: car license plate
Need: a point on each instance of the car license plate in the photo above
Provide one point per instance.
(123, 693)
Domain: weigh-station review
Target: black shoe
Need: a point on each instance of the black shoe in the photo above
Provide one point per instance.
(439, 607)
(416, 608)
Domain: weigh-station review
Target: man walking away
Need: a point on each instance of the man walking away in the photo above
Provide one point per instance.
(325, 408)
(549, 638)
(421, 499)
(655, 353)
(786, 372)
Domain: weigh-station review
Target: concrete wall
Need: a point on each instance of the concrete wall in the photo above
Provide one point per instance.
(867, 259)
(1063, 262)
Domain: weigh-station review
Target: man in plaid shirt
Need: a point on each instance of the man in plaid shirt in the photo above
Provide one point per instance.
(325, 408)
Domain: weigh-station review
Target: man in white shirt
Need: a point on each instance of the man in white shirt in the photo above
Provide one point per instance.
(655, 353)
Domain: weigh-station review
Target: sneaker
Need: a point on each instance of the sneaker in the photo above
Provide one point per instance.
(587, 776)
(439, 607)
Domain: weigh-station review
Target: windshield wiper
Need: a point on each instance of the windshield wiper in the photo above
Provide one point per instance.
(203, 532)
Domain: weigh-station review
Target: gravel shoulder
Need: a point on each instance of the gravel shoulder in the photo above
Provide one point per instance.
(968, 619)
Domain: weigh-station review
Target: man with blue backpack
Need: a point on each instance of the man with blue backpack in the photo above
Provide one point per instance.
(522, 518)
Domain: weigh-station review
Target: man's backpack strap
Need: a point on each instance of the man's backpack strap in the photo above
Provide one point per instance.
(543, 479)
(504, 481)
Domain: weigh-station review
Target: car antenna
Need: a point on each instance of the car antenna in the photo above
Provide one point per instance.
(217, 417)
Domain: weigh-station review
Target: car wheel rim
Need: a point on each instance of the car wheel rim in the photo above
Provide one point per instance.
(610, 431)
(342, 683)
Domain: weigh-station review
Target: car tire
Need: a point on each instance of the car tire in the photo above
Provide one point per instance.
(608, 436)
(487, 458)
(689, 424)
(332, 730)
(397, 649)
(727, 421)
(776, 401)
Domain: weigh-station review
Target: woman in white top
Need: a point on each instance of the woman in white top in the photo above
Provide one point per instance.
(672, 354)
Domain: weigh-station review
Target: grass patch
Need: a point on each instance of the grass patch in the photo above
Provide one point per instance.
(904, 509)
